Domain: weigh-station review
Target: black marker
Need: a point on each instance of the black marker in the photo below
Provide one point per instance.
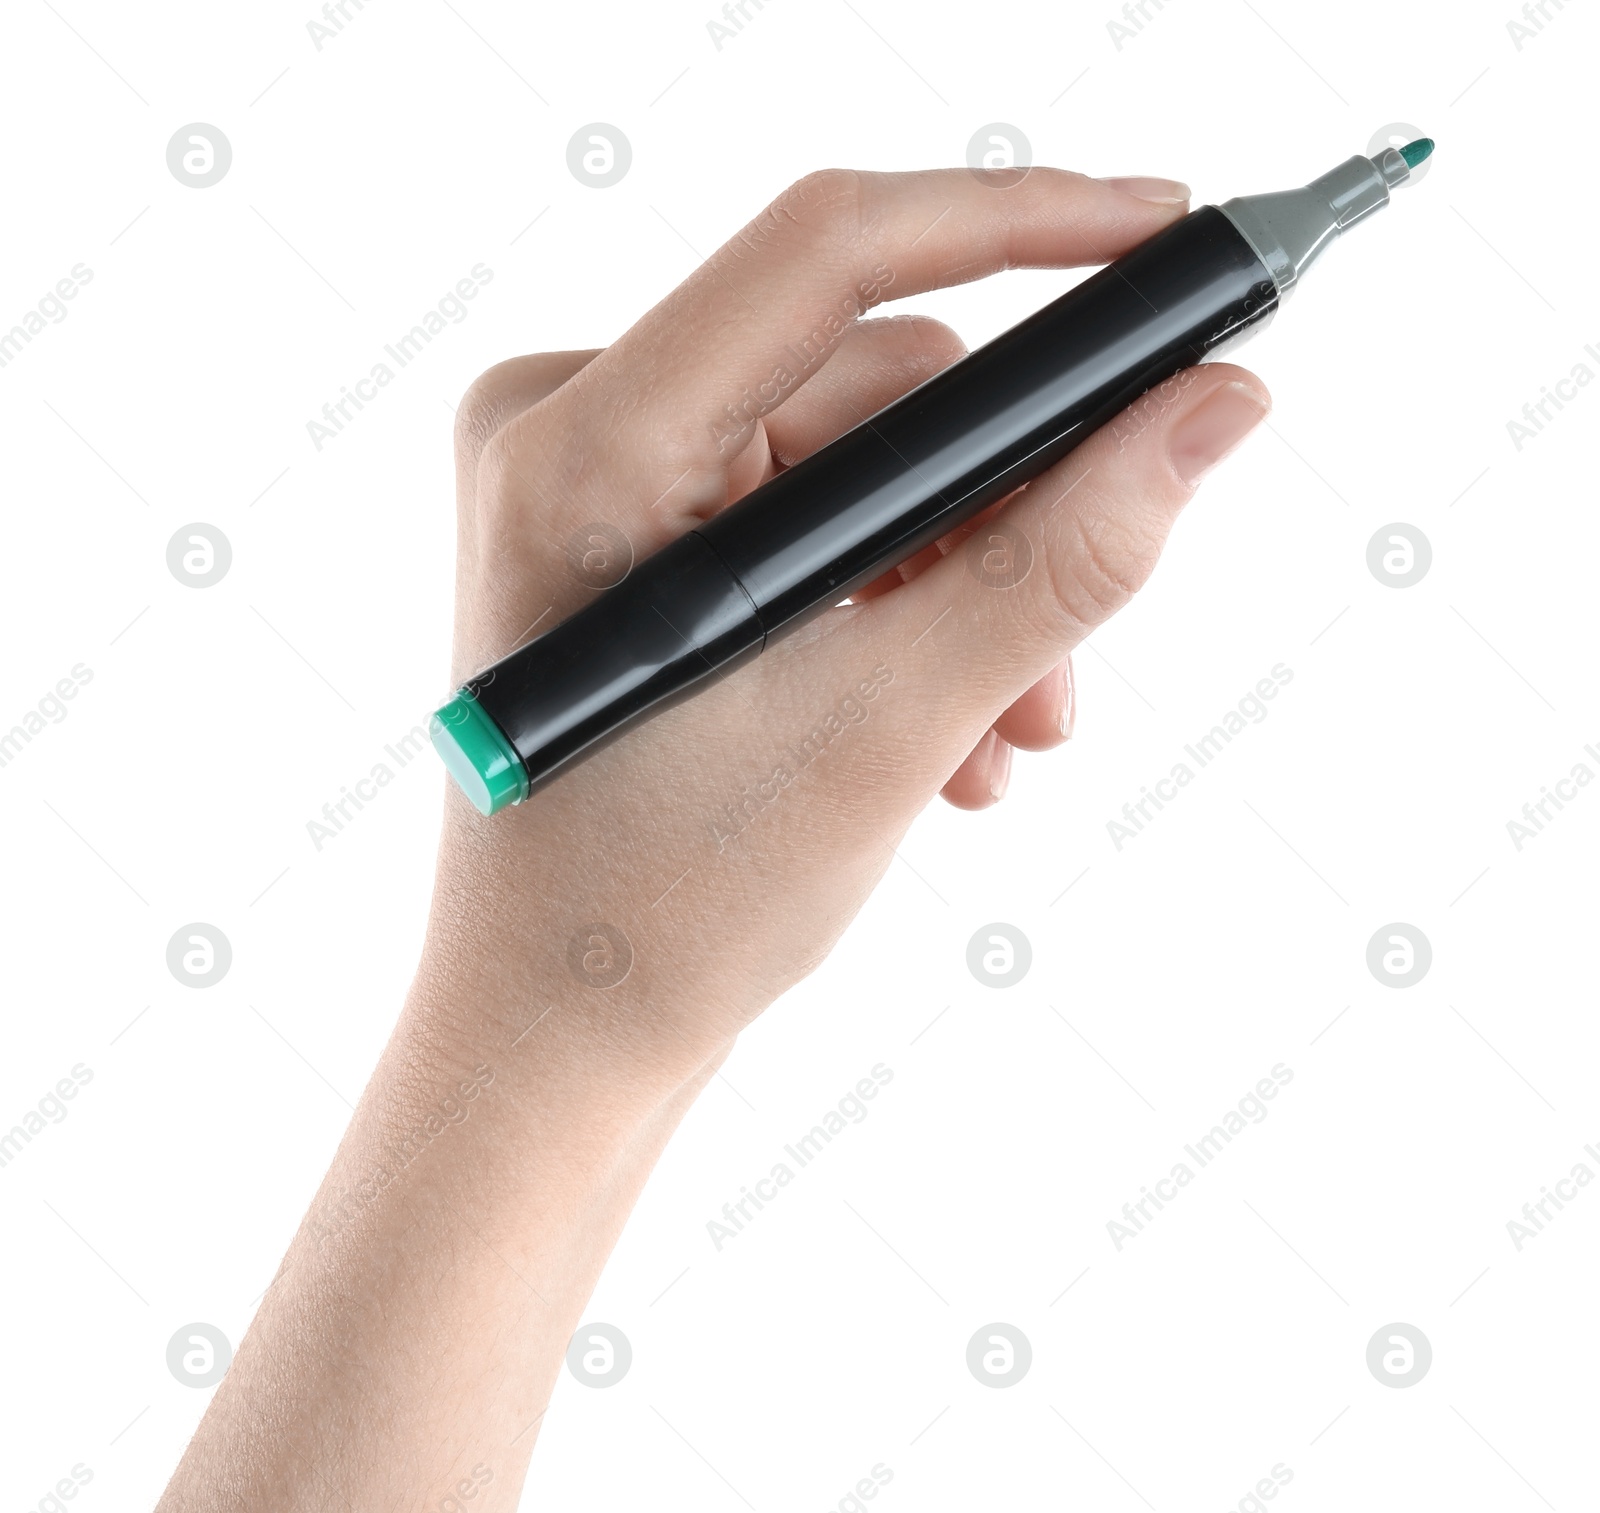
(808, 538)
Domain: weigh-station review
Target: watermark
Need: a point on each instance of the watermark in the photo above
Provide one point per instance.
(49, 310)
(756, 798)
(1399, 955)
(999, 155)
(334, 17)
(999, 554)
(731, 430)
(1250, 1109)
(599, 1355)
(450, 309)
(599, 956)
(52, 708)
(199, 155)
(199, 955)
(1538, 1212)
(1135, 17)
(1268, 1487)
(199, 555)
(199, 1355)
(850, 1109)
(451, 1110)
(457, 1498)
(1399, 1355)
(1398, 134)
(1537, 813)
(65, 1489)
(865, 1489)
(999, 955)
(599, 555)
(1399, 555)
(1553, 399)
(50, 1109)
(1153, 798)
(735, 15)
(599, 155)
(1149, 407)
(353, 798)
(1535, 17)
(999, 1355)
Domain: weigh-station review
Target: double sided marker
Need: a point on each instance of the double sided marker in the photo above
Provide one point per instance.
(879, 494)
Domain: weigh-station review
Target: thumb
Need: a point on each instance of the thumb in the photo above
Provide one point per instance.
(975, 630)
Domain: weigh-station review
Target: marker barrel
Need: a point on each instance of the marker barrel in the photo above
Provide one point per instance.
(867, 501)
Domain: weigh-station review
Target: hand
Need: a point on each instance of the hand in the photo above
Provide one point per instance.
(729, 840)
(406, 1351)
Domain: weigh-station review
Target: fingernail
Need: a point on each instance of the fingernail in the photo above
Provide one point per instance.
(1157, 191)
(1203, 437)
(999, 769)
(1069, 702)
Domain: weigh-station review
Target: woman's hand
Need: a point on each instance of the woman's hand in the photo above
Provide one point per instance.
(726, 843)
(592, 954)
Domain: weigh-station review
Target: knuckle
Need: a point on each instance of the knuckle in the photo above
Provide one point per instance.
(932, 331)
(478, 414)
(502, 489)
(1100, 561)
(925, 340)
(499, 394)
(828, 202)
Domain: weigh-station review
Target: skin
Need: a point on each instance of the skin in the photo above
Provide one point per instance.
(413, 1336)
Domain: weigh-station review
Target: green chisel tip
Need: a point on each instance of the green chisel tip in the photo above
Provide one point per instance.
(1417, 152)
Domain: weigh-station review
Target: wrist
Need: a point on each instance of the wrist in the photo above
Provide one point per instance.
(473, 1110)
(526, 968)
(499, 1005)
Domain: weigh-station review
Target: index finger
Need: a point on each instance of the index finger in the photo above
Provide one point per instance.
(766, 310)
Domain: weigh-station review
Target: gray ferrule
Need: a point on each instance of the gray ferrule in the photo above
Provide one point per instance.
(1289, 230)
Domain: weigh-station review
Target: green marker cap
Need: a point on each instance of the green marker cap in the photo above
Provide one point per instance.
(482, 761)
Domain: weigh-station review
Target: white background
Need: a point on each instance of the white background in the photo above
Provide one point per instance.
(1231, 935)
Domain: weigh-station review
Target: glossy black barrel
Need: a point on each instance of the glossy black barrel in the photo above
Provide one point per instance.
(678, 619)
(876, 495)
(992, 421)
